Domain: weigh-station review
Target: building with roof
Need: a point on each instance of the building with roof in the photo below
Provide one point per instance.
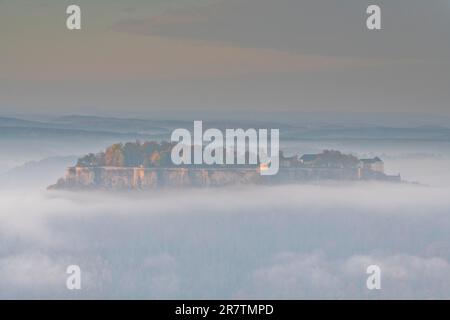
(374, 164)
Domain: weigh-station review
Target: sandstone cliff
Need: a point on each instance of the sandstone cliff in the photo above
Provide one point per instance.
(122, 178)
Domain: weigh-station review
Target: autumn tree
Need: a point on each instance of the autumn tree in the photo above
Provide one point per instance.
(114, 156)
(155, 158)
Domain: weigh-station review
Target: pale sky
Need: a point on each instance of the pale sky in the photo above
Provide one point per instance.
(153, 56)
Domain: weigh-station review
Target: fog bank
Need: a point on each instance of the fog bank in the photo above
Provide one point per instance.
(310, 241)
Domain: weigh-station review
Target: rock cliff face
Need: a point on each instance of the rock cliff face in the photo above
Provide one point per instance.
(121, 178)
(151, 178)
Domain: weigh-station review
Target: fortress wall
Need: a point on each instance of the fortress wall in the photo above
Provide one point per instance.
(150, 178)
(121, 178)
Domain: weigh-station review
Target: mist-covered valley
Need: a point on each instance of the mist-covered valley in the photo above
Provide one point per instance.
(311, 240)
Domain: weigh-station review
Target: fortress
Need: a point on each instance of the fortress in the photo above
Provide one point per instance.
(292, 170)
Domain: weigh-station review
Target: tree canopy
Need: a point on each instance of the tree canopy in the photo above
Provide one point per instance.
(130, 154)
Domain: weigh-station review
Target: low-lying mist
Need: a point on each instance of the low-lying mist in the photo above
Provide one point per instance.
(295, 241)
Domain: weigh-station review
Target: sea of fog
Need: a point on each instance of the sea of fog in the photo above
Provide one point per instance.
(294, 241)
